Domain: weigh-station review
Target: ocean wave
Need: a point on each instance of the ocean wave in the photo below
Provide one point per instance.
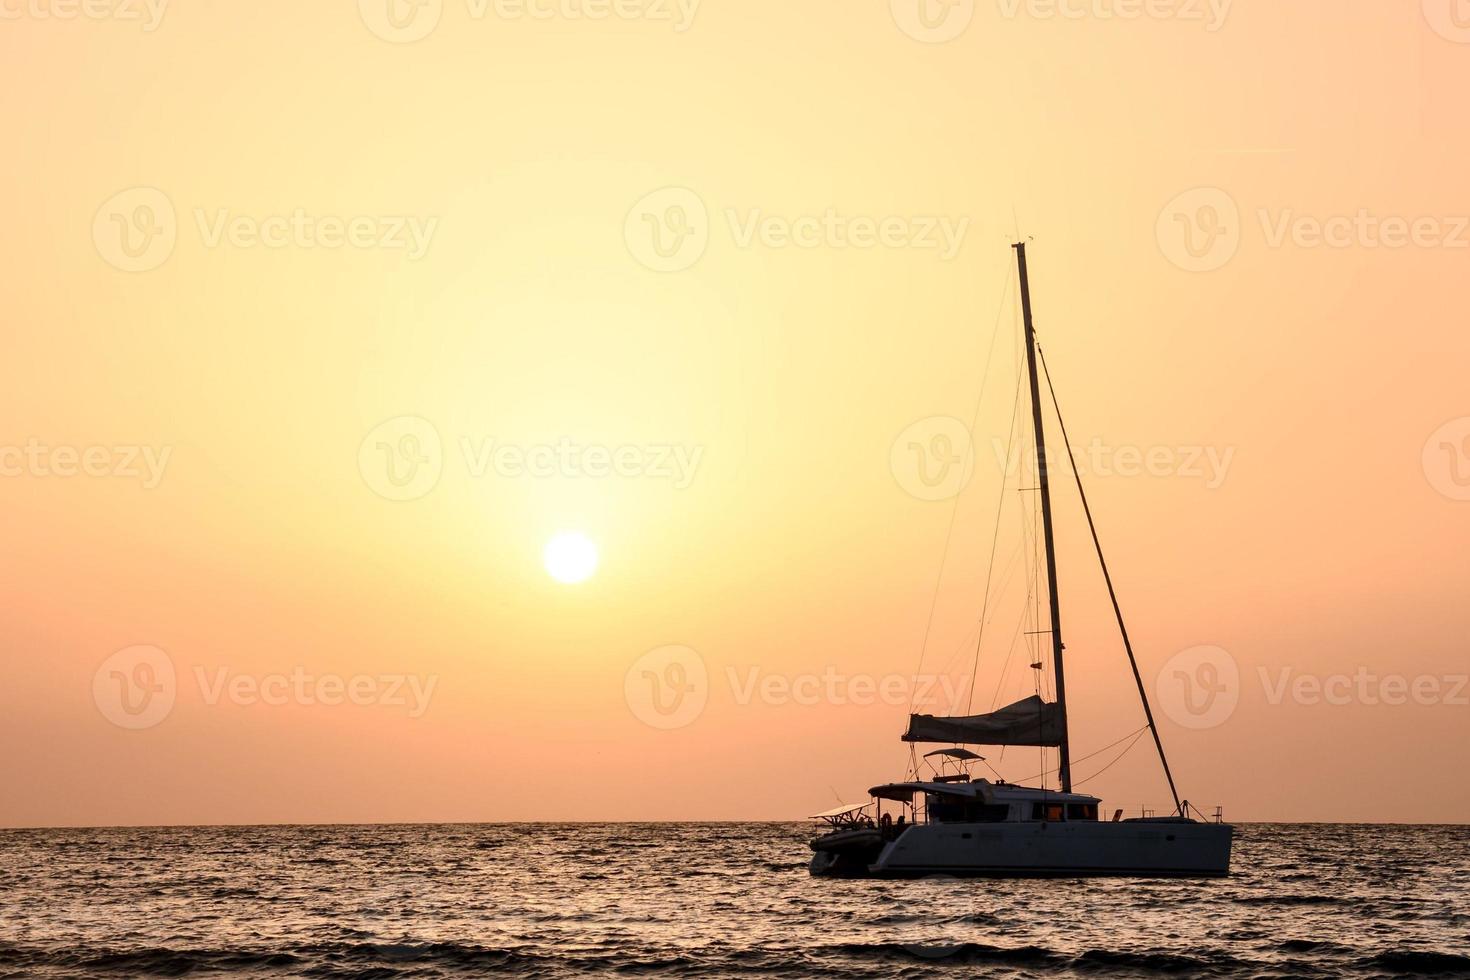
(1309, 946)
(1421, 963)
(1291, 900)
(1200, 964)
(696, 902)
(956, 952)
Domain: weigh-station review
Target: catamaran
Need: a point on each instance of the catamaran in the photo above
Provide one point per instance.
(953, 822)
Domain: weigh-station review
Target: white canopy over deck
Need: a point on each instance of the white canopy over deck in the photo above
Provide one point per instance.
(840, 811)
(981, 789)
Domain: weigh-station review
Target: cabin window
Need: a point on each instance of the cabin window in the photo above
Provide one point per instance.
(961, 812)
(1050, 812)
(1081, 811)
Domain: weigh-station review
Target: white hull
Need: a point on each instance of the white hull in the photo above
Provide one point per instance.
(1067, 849)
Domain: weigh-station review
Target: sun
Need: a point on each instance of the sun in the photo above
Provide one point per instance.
(570, 557)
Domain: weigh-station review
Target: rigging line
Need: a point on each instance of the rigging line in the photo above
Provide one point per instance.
(963, 646)
(1148, 712)
(1023, 539)
(1033, 530)
(1096, 752)
(1030, 615)
(1010, 654)
(964, 643)
(955, 506)
(1114, 762)
(995, 538)
(1007, 572)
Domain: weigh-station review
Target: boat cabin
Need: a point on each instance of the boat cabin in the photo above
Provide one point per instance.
(981, 801)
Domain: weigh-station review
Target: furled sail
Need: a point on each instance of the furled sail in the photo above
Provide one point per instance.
(1029, 722)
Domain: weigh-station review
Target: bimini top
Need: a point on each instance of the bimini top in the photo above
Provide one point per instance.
(840, 811)
(981, 789)
(962, 754)
(904, 792)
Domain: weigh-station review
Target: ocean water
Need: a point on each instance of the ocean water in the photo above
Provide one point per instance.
(703, 900)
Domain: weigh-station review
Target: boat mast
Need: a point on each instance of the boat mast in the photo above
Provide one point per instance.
(1064, 766)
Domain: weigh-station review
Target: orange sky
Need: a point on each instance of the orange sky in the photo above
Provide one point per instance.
(691, 279)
